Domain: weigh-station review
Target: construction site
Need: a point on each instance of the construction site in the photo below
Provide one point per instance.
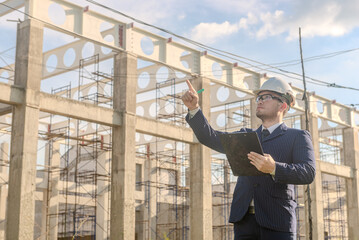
(94, 142)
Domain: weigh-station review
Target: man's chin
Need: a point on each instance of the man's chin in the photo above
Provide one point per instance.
(259, 115)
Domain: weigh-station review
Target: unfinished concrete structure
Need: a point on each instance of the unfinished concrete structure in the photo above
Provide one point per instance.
(94, 144)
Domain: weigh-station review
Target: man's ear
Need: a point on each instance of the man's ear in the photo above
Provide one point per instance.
(284, 106)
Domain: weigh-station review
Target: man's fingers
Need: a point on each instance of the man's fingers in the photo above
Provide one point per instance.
(187, 97)
(256, 154)
(190, 86)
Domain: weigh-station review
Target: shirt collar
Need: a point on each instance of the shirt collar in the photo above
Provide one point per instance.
(273, 127)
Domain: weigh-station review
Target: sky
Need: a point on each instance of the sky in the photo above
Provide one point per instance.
(265, 31)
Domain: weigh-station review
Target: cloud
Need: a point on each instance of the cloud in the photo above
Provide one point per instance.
(316, 18)
(209, 33)
(237, 6)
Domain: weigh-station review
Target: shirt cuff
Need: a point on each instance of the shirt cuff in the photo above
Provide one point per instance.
(193, 112)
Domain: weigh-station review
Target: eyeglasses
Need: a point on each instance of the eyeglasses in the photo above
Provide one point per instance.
(267, 97)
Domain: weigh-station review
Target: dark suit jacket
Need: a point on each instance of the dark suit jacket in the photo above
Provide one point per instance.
(274, 199)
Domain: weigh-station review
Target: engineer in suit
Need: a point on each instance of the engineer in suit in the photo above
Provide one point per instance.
(263, 207)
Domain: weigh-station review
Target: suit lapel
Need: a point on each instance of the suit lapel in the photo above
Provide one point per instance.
(277, 132)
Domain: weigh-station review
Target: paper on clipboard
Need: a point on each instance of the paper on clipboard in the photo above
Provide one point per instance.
(236, 147)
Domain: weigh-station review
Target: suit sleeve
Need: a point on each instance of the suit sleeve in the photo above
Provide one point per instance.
(302, 168)
(204, 132)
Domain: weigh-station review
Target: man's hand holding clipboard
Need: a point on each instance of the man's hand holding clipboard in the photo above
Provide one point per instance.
(245, 154)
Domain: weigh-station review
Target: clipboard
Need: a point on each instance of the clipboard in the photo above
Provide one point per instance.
(236, 147)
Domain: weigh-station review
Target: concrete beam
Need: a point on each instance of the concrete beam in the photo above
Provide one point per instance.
(11, 94)
(5, 110)
(165, 130)
(336, 170)
(79, 110)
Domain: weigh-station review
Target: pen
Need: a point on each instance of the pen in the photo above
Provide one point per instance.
(199, 91)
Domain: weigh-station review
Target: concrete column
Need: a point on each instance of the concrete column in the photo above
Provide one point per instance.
(22, 177)
(102, 207)
(150, 209)
(44, 213)
(200, 176)
(53, 200)
(351, 159)
(4, 156)
(123, 149)
(316, 187)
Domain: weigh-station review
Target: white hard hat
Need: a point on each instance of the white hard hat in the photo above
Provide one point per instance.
(280, 87)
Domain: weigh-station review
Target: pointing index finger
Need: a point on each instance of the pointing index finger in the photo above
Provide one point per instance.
(190, 86)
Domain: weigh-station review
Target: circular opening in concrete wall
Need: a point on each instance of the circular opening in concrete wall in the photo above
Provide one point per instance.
(162, 74)
(88, 50)
(57, 14)
(319, 123)
(169, 107)
(143, 80)
(153, 109)
(184, 62)
(140, 111)
(110, 39)
(69, 57)
(240, 94)
(147, 45)
(105, 26)
(320, 107)
(221, 120)
(222, 94)
(51, 63)
(332, 124)
(217, 71)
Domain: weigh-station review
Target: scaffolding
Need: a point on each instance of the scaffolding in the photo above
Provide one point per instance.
(331, 145)
(334, 210)
(172, 211)
(238, 115)
(83, 176)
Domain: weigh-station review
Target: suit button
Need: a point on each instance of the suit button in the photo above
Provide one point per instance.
(256, 185)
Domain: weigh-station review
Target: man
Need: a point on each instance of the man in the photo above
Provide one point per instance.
(263, 207)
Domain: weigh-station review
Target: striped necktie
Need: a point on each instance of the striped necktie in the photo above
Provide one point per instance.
(265, 133)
